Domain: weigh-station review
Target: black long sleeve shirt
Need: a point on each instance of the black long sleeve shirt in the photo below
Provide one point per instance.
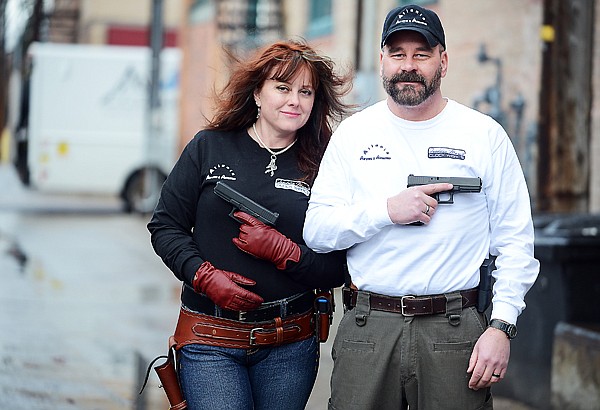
(191, 224)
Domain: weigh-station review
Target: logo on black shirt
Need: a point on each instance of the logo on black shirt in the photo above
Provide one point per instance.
(221, 172)
(298, 186)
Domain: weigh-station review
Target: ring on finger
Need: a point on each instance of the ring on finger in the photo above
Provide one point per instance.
(495, 375)
(426, 210)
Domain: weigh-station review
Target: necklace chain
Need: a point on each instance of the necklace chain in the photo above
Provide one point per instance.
(272, 166)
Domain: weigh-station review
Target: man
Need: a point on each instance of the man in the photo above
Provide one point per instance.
(412, 335)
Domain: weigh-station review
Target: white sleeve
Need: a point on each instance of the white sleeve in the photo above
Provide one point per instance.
(511, 232)
(335, 218)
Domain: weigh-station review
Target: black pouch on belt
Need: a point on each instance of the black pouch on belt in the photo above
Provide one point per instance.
(484, 298)
(324, 307)
(168, 377)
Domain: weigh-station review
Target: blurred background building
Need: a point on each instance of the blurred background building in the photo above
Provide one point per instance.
(530, 64)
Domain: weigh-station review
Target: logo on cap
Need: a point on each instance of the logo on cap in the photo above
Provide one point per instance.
(415, 18)
(419, 19)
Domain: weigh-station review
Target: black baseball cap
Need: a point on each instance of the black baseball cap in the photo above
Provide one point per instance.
(414, 18)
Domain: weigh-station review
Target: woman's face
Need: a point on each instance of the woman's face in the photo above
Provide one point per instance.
(285, 106)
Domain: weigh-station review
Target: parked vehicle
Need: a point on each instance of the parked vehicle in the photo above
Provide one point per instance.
(88, 127)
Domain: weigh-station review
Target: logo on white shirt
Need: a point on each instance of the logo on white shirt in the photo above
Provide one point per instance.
(375, 152)
(445, 152)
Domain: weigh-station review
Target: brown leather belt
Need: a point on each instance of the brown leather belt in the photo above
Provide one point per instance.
(209, 330)
(408, 305)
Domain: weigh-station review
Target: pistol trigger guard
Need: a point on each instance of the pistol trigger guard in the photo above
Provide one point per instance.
(450, 199)
(233, 216)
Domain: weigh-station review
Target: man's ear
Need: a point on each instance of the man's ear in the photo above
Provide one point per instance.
(444, 63)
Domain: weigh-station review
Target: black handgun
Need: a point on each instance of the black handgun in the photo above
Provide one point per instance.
(459, 184)
(484, 297)
(245, 204)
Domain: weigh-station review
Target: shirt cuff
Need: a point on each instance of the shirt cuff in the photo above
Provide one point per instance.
(189, 269)
(505, 311)
(381, 216)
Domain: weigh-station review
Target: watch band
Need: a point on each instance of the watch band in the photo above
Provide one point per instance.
(509, 329)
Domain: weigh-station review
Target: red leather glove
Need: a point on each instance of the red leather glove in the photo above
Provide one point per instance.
(264, 242)
(222, 288)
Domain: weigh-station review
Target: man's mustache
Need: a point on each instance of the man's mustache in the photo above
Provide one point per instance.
(407, 77)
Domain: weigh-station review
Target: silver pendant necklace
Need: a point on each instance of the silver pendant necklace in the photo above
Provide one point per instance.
(272, 166)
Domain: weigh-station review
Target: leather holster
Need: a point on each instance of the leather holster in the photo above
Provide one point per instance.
(168, 378)
(170, 382)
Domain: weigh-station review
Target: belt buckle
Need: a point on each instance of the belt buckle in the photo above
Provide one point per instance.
(403, 306)
(252, 337)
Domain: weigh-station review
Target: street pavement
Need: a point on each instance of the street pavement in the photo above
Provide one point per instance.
(85, 304)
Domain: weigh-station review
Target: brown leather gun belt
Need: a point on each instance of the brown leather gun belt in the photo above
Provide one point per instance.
(209, 330)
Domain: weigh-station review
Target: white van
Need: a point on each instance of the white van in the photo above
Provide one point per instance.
(88, 126)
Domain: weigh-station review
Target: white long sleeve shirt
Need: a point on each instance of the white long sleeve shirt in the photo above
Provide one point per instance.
(369, 159)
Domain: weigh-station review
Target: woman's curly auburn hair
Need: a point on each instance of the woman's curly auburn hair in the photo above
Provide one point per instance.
(235, 107)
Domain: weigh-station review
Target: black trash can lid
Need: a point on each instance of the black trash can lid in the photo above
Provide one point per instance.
(574, 226)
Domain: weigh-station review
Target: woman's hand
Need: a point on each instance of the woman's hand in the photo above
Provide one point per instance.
(265, 242)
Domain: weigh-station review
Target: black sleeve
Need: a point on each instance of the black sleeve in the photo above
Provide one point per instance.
(318, 270)
(172, 223)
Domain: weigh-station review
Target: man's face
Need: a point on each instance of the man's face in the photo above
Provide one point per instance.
(411, 70)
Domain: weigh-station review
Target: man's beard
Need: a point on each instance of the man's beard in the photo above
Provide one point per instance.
(410, 95)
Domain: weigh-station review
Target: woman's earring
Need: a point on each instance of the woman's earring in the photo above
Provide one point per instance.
(258, 113)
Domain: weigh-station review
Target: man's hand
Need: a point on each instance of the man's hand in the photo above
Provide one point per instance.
(222, 288)
(264, 242)
(489, 359)
(415, 204)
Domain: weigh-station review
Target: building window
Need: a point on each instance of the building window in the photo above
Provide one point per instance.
(246, 24)
(201, 11)
(321, 22)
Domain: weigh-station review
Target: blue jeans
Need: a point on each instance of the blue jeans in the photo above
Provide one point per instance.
(271, 378)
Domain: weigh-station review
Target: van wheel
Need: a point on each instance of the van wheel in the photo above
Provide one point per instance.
(142, 190)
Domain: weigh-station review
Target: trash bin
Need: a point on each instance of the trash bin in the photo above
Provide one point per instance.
(567, 290)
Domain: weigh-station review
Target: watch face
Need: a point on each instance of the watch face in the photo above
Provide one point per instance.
(510, 330)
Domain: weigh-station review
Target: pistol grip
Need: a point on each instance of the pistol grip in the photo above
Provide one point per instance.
(323, 316)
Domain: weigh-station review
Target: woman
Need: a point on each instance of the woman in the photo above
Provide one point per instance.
(245, 334)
